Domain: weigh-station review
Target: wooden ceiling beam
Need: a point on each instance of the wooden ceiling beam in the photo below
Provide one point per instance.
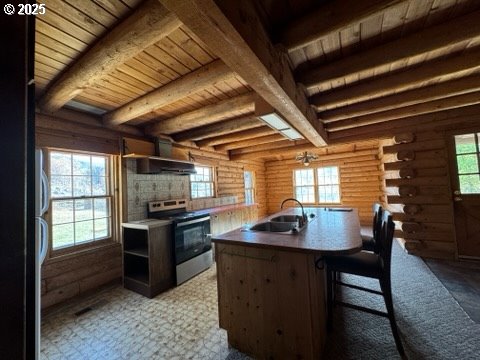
(418, 109)
(452, 67)
(188, 84)
(434, 92)
(236, 136)
(147, 25)
(274, 150)
(425, 122)
(233, 31)
(291, 144)
(205, 115)
(224, 127)
(250, 142)
(423, 42)
(331, 17)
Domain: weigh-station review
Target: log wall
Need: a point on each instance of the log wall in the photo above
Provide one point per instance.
(417, 179)
(418, 193)
(360, 176)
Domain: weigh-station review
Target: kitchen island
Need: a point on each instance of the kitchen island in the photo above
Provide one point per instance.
(271, 296)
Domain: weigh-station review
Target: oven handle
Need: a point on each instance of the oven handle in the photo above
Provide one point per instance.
(193, 221)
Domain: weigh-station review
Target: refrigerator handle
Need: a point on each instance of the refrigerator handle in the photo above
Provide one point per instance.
(45, 192)
(43, 240)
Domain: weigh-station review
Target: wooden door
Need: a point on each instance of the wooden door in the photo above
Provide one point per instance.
(465, 179)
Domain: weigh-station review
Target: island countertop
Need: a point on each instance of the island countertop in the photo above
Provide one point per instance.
(333, 231)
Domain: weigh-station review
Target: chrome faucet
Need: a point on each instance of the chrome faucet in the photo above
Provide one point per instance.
(304, 216)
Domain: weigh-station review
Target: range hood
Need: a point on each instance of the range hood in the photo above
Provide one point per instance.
(160, 165)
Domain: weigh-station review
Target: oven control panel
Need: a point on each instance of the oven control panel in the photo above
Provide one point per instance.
(161, 205)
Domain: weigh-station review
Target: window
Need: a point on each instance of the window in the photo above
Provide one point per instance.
(81, 199)
(320, 186)
(201, 184)
(249, 187)
(305, 185)
(467, 154)
(328, 185)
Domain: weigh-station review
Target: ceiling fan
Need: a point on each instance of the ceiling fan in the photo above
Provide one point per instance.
(305, 158)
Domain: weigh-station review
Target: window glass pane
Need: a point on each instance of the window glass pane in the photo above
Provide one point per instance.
(82, 186)
(101, 208)
(60, 163)
(83, 209)
(305, 194)
(83, 231)
(102, 229)
(99, 185)
(304, 177)
(81, 164)
(248, 179)
(465, 144)
(467, 164)
(201, 184)
(99, 166)
(80, 218)
(336, 194)
(469, 184)
(60, 186)
(62, 235)
(327, 175)
(62, 212)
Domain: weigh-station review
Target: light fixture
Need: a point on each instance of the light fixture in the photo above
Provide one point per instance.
(305, 158)
(268, 114)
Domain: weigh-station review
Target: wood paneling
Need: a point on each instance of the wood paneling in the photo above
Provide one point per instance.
(71, 275)
(271, 302)
(234, 31)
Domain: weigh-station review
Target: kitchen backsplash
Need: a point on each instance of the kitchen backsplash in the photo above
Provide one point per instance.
(142, 188)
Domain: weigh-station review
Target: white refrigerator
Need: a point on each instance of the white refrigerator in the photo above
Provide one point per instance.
(41, 238)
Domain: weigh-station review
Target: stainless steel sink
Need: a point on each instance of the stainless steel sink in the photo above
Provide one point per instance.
(286, 218)
(274, 226)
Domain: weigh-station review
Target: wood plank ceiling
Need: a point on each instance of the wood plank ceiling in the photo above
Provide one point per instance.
(192, 69)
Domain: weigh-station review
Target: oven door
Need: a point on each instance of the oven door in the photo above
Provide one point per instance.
(192, 238)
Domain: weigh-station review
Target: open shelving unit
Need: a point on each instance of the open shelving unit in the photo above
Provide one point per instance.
(148, 261)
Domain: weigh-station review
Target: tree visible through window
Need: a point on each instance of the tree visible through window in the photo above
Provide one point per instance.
(249, 187)
(320, 186)
(80, 198)
(201, 183)
(467, 153)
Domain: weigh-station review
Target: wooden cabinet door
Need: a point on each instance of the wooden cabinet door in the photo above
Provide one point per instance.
(465, 180)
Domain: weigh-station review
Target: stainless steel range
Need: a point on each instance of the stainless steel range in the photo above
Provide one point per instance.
(191, 236)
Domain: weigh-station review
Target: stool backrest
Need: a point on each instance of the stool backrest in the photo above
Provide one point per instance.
(385, 242)
(377, 225)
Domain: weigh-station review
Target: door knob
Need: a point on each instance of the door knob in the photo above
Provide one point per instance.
(457, 198)
(457, 192)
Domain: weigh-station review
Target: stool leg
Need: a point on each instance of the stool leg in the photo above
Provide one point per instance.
(387, 295)
(329, 300)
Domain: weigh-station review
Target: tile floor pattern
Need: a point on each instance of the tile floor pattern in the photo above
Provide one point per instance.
(179, 324)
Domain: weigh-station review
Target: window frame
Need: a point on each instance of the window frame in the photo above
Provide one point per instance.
(252, 189)
(297, 186)
(316, 185)
(213, 182)
(456, 155)
(112, 191)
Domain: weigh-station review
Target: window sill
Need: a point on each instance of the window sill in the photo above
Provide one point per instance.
(67, 253)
